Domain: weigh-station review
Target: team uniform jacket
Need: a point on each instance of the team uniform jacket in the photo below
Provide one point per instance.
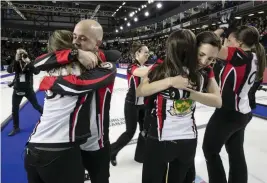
(236, 78)
(172, 112)
(66, 118)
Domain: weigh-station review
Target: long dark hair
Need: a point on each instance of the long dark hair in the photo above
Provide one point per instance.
(181, 58)
(208, 37)
(250, 36)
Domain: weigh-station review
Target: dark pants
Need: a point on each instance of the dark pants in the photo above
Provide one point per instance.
(191, 174)
(97, 164)
(16, 100)
(226, 127)
(175, 156)
(133, 114)
(54, 166)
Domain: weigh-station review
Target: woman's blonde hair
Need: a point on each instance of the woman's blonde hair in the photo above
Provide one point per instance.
(60, 40)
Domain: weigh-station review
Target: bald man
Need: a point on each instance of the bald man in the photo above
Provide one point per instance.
(87, 36)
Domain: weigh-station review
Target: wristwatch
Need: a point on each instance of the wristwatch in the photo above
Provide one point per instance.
(73, 56)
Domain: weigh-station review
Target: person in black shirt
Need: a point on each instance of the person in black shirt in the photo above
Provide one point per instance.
(23, 86)
(134, 106)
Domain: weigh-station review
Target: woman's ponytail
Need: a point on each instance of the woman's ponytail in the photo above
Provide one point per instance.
(261, 56)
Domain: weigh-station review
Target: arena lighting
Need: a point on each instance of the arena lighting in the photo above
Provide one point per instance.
(250, 15)
(146, 14)
(121, 27)
(159, 5)
(95, 12)
(128, 24)
(15, 9)
(260, 12)
(238, 18)
(135, 19)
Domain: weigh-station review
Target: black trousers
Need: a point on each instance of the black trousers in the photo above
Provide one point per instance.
(54, 166)
(16, 100)
(97, 164)
(133, 114)
(168, 161)
(226, 128)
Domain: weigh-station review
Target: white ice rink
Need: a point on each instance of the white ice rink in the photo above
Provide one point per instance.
(128, 171)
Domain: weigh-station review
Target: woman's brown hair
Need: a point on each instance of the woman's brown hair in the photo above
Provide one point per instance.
(60, 40)
(250, 36)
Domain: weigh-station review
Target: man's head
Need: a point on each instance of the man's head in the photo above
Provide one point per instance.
(88, 35)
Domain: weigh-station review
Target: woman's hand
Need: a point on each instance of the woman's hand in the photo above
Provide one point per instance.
(88, 59)
(179, 82)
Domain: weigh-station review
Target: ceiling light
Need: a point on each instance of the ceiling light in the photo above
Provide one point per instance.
(145, 6)
(135, 11)
(193, 29)
(117, 10)
(125, 18)
(128, 24)
(120, 6)
(238, 18)
(123, 3)
(152, 1)
(139, 9)
(159, 5)
(213, 24)
(121, 27)
(250, 14)
(146, 14)
(117, 30)
(135, 19)
(260, 12)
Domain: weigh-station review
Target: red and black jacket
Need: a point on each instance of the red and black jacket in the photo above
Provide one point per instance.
(100, 80)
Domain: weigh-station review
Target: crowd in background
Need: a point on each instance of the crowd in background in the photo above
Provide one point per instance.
(155, 44)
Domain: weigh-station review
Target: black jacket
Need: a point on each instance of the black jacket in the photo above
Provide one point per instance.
(23, 78)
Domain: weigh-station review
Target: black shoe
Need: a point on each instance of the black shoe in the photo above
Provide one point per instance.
(113, 160)
(14, 132)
